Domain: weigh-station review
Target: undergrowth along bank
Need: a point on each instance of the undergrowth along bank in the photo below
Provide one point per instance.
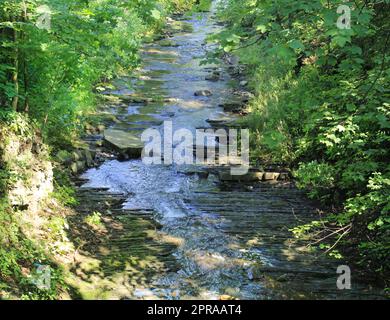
(322, 107)
(55, 59)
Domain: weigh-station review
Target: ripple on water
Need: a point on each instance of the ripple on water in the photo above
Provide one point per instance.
(225, 239)
(149, 187)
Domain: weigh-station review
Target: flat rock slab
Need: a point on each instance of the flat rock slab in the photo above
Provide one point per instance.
(124, 142)
(219, 119)
(194, 170)
(139, 99)
(249, 177)
(144, 119)
(253, 176)
(271, 176)
(167, 43)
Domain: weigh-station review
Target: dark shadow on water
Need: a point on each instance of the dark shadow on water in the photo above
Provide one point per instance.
(118, 254)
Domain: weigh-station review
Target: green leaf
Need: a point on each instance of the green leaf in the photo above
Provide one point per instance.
(296, 45)
(262, 28)
(340, 41)
(156, 14)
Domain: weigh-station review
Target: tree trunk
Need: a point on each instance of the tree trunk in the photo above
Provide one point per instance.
(15, 78)
(25, 69)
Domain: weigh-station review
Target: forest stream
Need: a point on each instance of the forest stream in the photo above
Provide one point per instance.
(174, 232)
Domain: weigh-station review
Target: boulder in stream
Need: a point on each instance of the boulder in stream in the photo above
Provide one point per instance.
(235, 107)
(124, 142)
(271, 176)
(214, 77)
(203, 93)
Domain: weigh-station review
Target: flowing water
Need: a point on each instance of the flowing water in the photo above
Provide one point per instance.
(213, 238)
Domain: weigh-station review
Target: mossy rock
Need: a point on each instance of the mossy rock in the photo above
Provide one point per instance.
(167, 43)
(77, 167)
(180, 26)
(124, 142)
(64, 157)
(143, 119)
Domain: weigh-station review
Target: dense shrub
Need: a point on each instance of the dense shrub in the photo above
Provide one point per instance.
(322, 106)
(53, 54)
